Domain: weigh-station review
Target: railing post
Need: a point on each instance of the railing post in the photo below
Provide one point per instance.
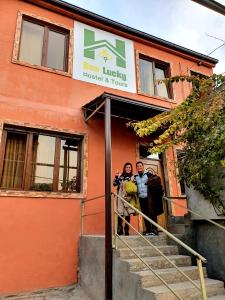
(82, 216)
(202, 279)
(165, 211)
(115, 221)
(108, 203)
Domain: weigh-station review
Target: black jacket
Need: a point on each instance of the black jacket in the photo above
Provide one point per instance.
(155, 195)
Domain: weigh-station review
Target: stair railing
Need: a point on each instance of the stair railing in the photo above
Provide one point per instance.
(144, 262)
(199, 257)
(170, 199)
(83, 214)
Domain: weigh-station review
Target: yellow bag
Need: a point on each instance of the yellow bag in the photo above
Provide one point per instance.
(131, 188)
(135, 203)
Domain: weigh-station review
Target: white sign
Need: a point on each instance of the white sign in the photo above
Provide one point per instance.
(103, 58)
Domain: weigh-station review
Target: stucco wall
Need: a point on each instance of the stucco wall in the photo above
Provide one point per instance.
(92, 266)
(198, 204)
(39, 234)
(210, 241)
(39, 242)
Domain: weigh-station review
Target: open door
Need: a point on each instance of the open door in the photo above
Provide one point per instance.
(153, 163)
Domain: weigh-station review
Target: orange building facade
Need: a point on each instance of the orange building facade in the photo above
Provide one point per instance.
(51, 159)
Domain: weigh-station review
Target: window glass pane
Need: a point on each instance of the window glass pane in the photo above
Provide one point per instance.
(13, 167)
(43, 153)
(195, 84)
(161, 87)
(56, 50)
(31, 43)
(144, 152)
(146, 77)
(68, 177)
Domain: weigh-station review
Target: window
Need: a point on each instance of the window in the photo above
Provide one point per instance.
(195, 84)
(150, 72)
(199, 75)
(144, 152)
(40, 162)
(44, 44)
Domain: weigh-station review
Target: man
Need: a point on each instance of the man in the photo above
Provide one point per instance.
(144, 180)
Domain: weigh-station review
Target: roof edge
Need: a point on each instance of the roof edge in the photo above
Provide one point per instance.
(135, 32)
(116, 97)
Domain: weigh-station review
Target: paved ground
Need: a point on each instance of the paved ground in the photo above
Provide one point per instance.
(68, 293)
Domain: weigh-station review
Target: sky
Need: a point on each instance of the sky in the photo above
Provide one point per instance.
(182, 22)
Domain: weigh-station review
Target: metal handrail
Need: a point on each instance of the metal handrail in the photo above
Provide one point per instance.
(199, 257)
(93, 198)
(96, 213)
(160, 252)
(169, 199)
(150, 268)
(83, 210)
(193, 252)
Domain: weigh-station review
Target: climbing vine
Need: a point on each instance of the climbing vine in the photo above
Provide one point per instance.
(198, 124)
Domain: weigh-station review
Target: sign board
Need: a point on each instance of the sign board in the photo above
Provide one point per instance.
(103, 58)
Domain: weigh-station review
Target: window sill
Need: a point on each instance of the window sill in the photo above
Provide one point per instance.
(157, 97)
(34, 194)
(42, 68)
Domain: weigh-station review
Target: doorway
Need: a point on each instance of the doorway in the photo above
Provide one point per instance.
(154, 164)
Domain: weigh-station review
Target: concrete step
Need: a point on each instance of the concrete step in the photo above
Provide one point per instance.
(218, 297)
(71, 292)
(184, 289)
(180, 236)
(176, 220)
(176, 228)
(137, 241)
(158, 262)
(147, 251)
(170, 275)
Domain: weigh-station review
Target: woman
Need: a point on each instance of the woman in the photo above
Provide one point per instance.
(124, 210)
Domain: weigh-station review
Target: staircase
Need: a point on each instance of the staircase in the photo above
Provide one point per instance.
(134, 281)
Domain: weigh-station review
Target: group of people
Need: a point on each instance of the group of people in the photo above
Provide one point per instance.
(149, 194)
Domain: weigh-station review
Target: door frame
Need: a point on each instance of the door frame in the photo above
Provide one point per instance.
(165, 177)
